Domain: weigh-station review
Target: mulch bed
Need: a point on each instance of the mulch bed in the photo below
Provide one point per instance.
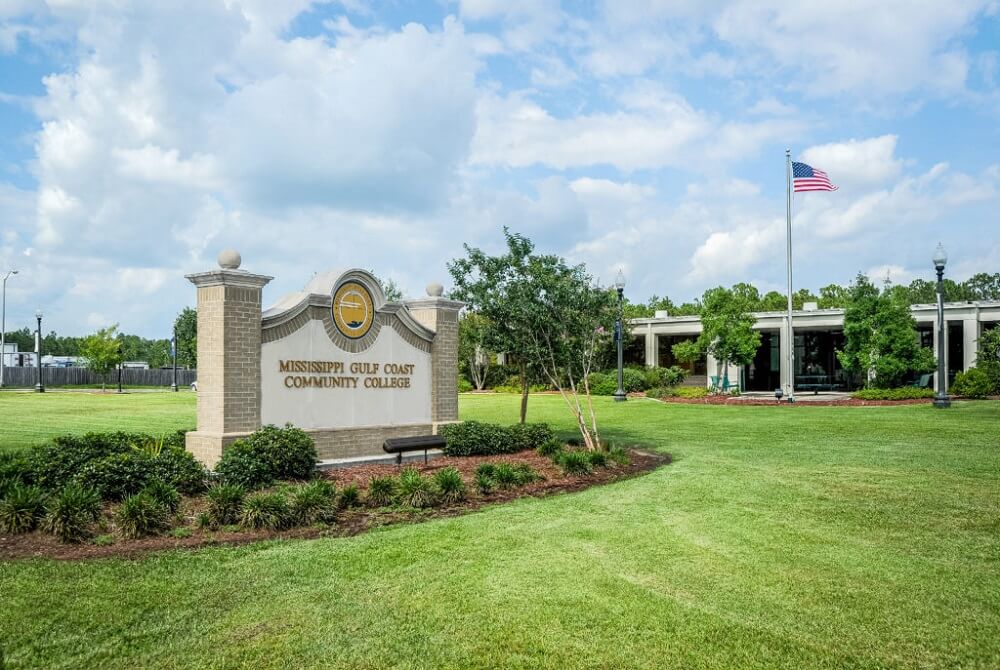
(350, 521)
(843, 402)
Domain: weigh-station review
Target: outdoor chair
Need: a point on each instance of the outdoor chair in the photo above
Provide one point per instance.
(923, 383)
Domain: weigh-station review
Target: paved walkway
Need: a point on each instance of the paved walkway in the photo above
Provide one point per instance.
(802, 396)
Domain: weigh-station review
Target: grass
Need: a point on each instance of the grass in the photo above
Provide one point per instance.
(800, 537)
(31, 418)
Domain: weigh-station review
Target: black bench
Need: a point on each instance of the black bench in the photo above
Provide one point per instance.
(816, 388)
(401, 445)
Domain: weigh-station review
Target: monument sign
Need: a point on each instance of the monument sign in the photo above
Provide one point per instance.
(335, 359)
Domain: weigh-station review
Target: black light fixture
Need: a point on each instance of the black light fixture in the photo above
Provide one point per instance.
(778, 393)
(620, 287)
(38, 352)
(940, 259)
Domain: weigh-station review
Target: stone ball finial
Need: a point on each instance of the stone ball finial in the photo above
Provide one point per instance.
(229, 259)
(435, 290)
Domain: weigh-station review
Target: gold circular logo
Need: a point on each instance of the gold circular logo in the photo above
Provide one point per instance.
(353, 309)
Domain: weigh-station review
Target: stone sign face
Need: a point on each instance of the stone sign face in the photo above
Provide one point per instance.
(335, 359)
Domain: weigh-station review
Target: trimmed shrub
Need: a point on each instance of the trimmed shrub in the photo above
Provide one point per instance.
(70, 513)
(450, 485)
(141, 515)
(350, 496)
(414, 489)
(602, 383)
(163, 493)
(22, 508)
(901, 393)
(575, 463)
(632, 379)
(179, 468)
(118, 476)
(598, 458)
(664, 377)
(529, 435)
(689, 392)
(464, 385)
(550, 448)
(484, 483)
(659, 392)
(973, 383)
(265, 511)
(15, 468)
(473, 438)
(57, 464)
(224, 503)
(314, 502)
(268, 454)
(382, 491)
(505, 477)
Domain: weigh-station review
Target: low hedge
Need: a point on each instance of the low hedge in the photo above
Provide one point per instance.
(901, 393)
(973, 383)
(266, 455)
(474, 438)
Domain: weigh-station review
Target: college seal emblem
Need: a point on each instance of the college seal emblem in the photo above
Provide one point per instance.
(353, 309)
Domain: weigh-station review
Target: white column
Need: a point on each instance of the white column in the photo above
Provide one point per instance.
(970, 334)
(652, 359)
(783, 344)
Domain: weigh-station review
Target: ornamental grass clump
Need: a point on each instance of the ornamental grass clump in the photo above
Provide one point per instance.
(165, 494)
(314, 502)
(22, 508)
(350, 496)
(505, 476)
(550, 448)
(265, 511)
(575, 463)
(70, 513)
(450, 485)
(526, 474)
(484, 483)
(415, 490)
(382, 491)
(141, 515)
(224, 503)
(619, 455)
(598, 458)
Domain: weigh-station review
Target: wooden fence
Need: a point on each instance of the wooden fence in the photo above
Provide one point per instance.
(24, 377)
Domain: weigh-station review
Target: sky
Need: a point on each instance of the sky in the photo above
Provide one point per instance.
(138, 139)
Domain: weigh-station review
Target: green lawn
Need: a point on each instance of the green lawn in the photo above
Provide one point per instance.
(780, 537)
(30, 418)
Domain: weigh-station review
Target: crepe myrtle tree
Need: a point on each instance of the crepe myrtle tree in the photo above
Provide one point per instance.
(570, 319)
(495, 288)
(472, 349)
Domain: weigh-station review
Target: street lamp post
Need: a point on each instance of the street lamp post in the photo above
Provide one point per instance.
(173, 355)
(120, 366)
(620, 287)
(941, 398)
(3, 325)
(38, 352)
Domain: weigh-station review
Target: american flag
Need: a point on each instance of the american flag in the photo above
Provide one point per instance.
(808, 178)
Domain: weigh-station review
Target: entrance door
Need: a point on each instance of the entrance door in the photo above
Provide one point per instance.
(764, 373)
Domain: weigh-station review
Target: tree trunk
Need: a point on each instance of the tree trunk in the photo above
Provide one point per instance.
(524, 392)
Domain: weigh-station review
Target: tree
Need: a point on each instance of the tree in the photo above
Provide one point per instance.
(391, 290)
(495, 288)
(773, 302)
(472, 352)
(186, 329)
(833, 296)
(988, 356)
(880, 334)
(727, 326)
(103, 352)
(569, 319)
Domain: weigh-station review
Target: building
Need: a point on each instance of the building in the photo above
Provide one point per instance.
(818, 335)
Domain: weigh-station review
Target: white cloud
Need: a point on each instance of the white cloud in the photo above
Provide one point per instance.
(867, 162)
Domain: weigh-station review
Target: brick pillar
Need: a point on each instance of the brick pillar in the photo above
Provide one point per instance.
(229, 328)
(441, 315)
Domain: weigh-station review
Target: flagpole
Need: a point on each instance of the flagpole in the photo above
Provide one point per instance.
(791, 335)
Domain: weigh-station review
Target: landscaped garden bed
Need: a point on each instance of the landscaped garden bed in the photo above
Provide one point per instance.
(120, 494)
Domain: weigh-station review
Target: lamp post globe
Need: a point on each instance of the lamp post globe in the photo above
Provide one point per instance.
(39, 388)
(620, 287)
(941, 399)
